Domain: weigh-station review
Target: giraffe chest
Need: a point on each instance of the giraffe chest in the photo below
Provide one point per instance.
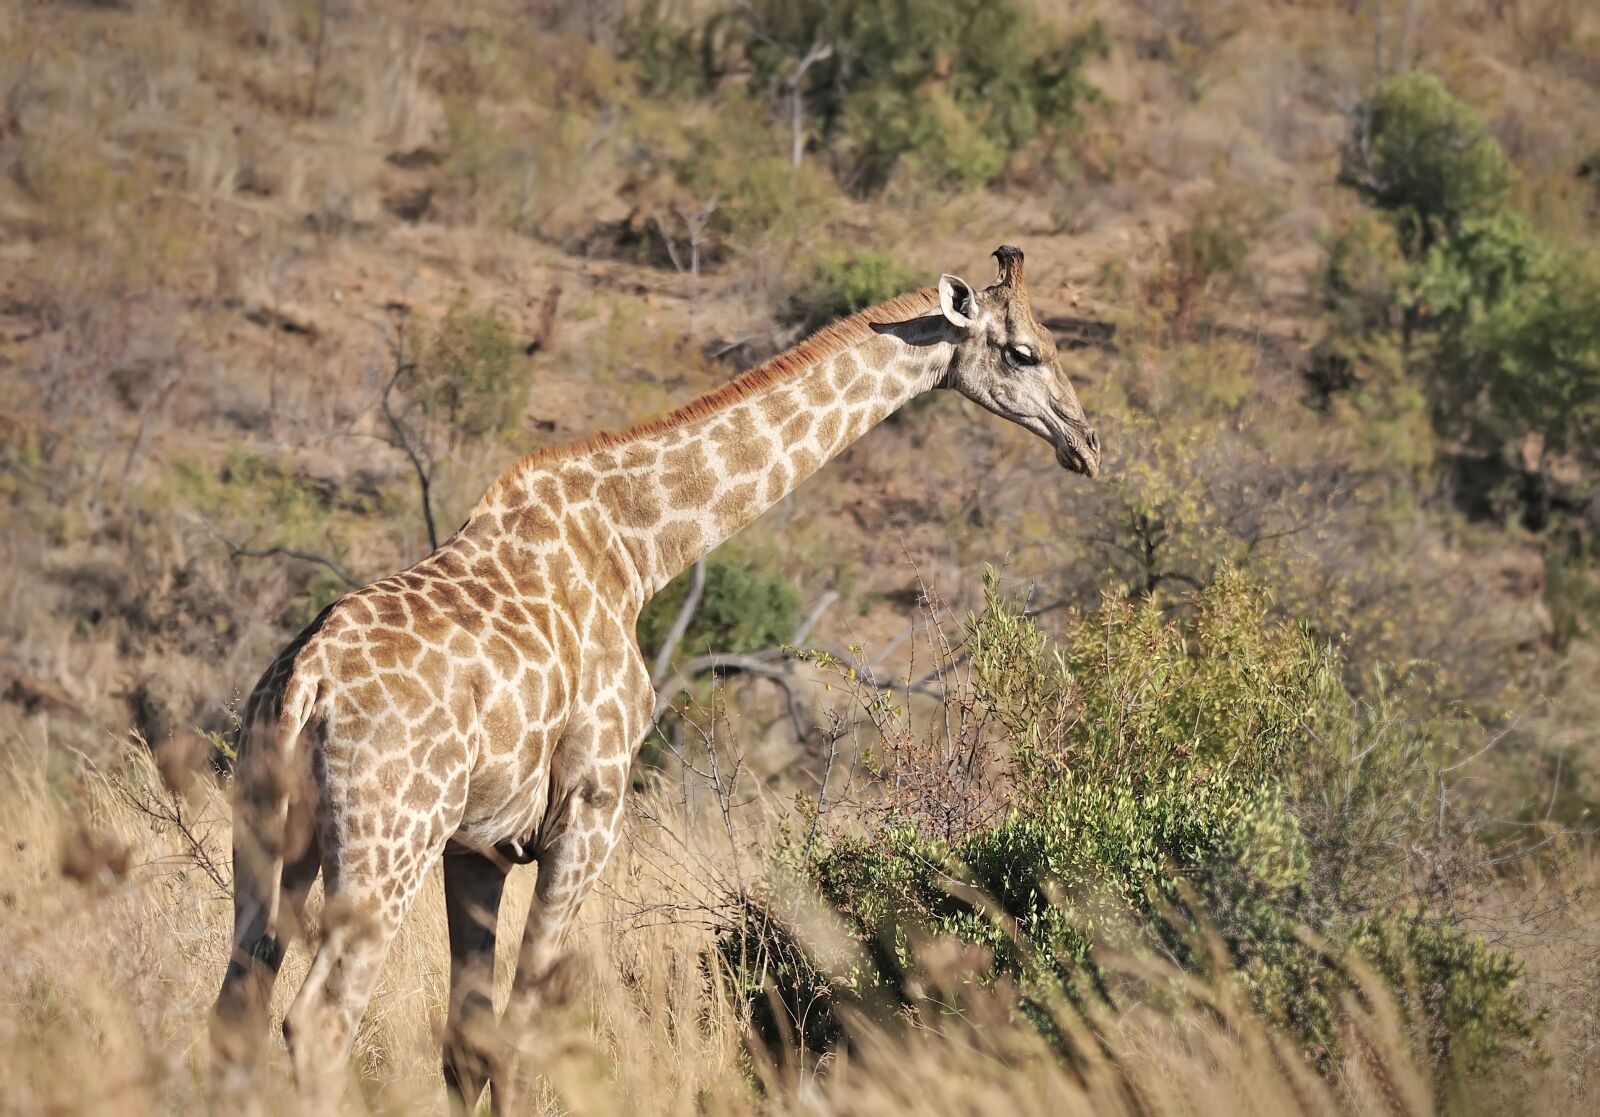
(515, 740)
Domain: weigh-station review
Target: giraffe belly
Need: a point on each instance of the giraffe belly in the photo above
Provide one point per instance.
(507, 798)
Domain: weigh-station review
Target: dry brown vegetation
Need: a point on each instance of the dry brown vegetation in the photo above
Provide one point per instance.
(222, 227)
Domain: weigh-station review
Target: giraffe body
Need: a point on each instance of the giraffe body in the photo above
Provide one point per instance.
(485, 705)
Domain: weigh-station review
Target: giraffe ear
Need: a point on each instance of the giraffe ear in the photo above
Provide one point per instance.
(957, 301)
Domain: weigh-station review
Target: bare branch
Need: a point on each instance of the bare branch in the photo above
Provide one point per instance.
(237, 550)
(165, 807)
(823, 604)
(764, 665)
(405, 443)
(680, 624)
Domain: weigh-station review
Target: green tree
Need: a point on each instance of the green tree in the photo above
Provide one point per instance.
(1500, 320)
(1515, 331)
(1425, 157)
(1163, 778)
(954, 85)
(744, 607)
(843, 282)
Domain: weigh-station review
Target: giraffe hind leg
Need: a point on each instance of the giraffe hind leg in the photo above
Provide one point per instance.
(569, 864)
(363, 911)
(240, 1019)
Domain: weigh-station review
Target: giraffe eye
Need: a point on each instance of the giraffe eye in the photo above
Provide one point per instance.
(1022, 354)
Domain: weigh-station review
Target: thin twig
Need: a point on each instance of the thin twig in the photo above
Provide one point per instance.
(404, 443)
(680, 623)
(237, 550)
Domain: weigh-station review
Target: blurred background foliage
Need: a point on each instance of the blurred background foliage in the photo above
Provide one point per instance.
(1300, 692)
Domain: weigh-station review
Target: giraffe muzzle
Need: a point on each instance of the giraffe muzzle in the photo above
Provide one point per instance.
(1076, 443)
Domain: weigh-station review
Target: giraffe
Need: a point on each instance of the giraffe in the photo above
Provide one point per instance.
(483, 707)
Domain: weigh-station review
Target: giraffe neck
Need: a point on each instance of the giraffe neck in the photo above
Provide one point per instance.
(667, 496)
(687, 490)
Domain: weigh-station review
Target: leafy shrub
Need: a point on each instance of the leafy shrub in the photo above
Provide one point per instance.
(956, 86)
(1156, 783)
(1461, 991)
(1517, 339)
(744, 608)
(1364, 279)
(1500, 318)
(758, 193)
(841, 283)
(696, 194)
(466, 378)
(1572, 596)
(252, 491)
(667, 57)
(1422, 155)
(1357, 368)
(260, 504)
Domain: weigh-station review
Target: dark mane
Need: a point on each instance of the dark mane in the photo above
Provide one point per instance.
(824, 343)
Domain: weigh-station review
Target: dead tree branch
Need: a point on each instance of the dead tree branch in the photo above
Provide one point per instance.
(166, 809)
(772, 664)
(237, 551)
(824, 603)
(405, 441)
(769, 664)
(680, 623)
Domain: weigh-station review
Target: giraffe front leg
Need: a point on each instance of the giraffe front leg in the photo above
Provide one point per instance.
(473, 885)
(570, 862)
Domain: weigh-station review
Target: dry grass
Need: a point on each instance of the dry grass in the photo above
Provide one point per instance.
(198, 213)
(114, 937)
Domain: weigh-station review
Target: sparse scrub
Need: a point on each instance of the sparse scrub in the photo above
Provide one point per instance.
(466, 378)
(1358, 366)
(1204, 259)
(744, 607)
(1152, 776)
(1164, 851)
(949, 88)
(841, 283)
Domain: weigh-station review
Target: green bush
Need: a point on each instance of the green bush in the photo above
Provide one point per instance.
(1499, 318)
(1462, 992)
(1572, 596)
(250, 492)
(667, 57)
(1158, 779)
(1517, 340)
(699, 196)
(258, 503)
(1422, 155)
(956, 86)
(466, 378)
(1357, 367)
(744, 608)
(841, 283)
(1364, 279)
(759, 195)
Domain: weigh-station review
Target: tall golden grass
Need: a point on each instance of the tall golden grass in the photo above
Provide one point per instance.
(113, 935)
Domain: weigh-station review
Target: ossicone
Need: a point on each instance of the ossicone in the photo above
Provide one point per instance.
(1010, 257)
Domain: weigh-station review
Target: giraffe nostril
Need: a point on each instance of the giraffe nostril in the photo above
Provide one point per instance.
(1093, 439)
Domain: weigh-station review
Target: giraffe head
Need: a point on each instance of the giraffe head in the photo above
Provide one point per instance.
(1006, 362)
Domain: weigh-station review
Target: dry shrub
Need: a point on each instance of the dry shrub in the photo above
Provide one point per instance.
(114, 959)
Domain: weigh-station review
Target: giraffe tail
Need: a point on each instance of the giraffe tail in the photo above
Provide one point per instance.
(299, 700)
